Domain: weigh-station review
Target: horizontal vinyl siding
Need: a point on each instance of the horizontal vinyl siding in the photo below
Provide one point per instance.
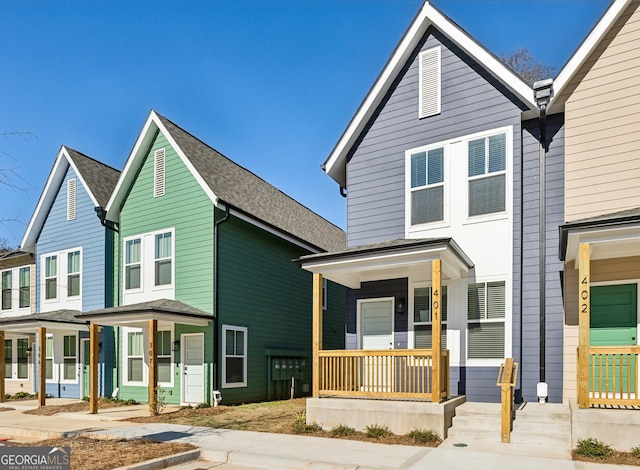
(263, 290)
(616, 269)
(529, 312)
(602, 125)
(472, 101)
(184, 206)
(84, 231)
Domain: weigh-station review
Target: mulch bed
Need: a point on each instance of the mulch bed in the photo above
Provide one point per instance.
(616, 458)
(50, 410)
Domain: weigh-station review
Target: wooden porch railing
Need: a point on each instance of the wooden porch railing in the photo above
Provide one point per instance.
(393, 373)
(613, 375)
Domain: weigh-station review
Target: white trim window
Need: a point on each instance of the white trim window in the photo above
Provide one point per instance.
(163, 259)
(51, 277)
(164, 357)
(8, 359)
(49, 359)
(422, 321)
(427, 185)
(487, 173)
(234, 356)
(22, 358)
(16, 358)
(71, 199)
(132, 264)
(430, 89)
(7, 289)
(69, 358)
(486, 312)
(134, 356)
(24, 287)
(73, 273)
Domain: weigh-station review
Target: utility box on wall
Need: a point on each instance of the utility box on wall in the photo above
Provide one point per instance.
(287, 375)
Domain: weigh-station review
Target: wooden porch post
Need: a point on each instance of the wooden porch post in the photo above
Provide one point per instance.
(42, 366)
(584, 320)
(93, 369)
(436, 328)
(317, 332)
(153, 365)
(2, 370)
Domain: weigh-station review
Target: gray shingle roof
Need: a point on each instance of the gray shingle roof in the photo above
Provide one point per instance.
(160, 305)
(249, 193)
(62, 316)
(100, 178)
(612, 216)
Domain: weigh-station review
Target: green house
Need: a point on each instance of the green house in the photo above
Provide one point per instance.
(204, 281)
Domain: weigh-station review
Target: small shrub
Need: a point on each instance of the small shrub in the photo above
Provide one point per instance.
(22, 396)
(203, 405)
(342, 430)
(635, 451)
(376, 431)
(159, 402)
(594, 448)
(300, 425)
(424, 436)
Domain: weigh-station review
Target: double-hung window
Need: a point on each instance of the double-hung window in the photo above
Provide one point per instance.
(132, 270)
(23, 358)
(487, 174)
(73, 274)
(234, 362)
(486, 320)
(8, 358)
(69, 357)
(24, 287)
(163, 259)
(6, 289)
(135, 356)
(163, 355)
(49, 358)
(422, 320)
(51, 277)
(427, 186)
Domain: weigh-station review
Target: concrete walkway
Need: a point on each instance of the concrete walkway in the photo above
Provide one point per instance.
(243, 450)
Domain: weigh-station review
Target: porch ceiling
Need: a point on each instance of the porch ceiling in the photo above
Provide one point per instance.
(138, 315)
(62, 320)
(604, 242)
(388, 260)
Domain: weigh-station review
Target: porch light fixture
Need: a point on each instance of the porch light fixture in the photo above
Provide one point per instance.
(175, 346)
(401, 306)
(28, 352)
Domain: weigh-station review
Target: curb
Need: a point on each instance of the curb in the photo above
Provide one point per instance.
(164, 462)
(30, 433)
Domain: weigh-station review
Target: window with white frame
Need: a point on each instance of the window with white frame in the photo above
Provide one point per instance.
(69, 359)
(234, 360)
(487, 174)
(159, 172)
(163, 355)
(23, 358)
(71, 199)
(163, 258)
(73, 274)
(429, 91)
(8, 358)
(427, 186)
(7, 283)
(49, 358)
(486, 310)
(24, 287)
(135, 356)
(132, 267)
(51, 277)
(422, 320)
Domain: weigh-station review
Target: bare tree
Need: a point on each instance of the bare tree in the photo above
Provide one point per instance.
(523, 63)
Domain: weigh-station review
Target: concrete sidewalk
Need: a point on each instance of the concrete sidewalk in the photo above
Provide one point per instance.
(229, 449)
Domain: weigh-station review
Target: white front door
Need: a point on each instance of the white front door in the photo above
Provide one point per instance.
(376, 324)
(192, 368)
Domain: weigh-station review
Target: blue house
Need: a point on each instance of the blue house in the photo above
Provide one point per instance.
(440, 166)
(69, 244)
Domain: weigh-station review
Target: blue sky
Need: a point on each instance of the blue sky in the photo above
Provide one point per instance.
(270, 84)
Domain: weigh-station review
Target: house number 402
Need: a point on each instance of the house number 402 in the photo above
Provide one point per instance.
(584, 295)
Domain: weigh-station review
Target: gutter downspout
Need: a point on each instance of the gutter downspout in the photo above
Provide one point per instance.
(542, 90)
(216, 291)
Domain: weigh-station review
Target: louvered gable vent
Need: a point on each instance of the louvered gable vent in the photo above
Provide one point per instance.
(71, 199)
(159, 173)
(429, 89)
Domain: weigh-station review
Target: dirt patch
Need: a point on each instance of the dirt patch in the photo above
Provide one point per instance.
(616, 458)
(276, 416)
(50, 410)
(97, 454)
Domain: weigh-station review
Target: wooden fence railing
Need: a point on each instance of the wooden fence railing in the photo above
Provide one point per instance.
(613, 375)
(394, 373)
